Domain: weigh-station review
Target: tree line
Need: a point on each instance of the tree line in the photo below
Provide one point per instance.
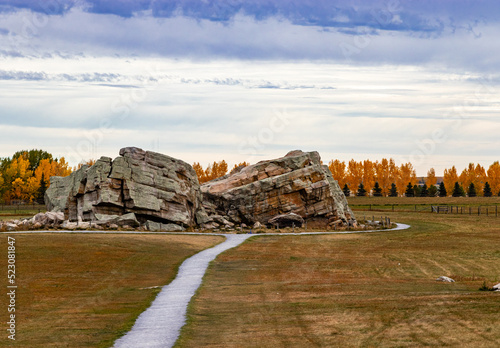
(26, 175)
(385, 178)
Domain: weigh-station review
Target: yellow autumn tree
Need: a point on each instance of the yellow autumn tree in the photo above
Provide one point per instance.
(431, 179)
(450, 177)
(368, 175)
(44, 170)
(16, 191)
(406, 175)
(30, 190)
(216, 170)
(494, 177)
(394, 174)
(60, 167)
(213, 171)
(354, 175)
(383, 176)
(473, 174)
(338, 170)
(200, 173)
(18, 168)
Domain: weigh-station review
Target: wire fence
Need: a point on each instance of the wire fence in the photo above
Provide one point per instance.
(488, 210)
(21, 208)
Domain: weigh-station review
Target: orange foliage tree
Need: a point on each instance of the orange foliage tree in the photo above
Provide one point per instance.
(26, 176)
(213, 171)
(473, 174)
(494, 177)
(431, 179)
(450, 178)
(338, 170)
(383, 175)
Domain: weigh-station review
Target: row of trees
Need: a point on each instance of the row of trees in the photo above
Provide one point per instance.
(423, 191)
(26, 175)
(385, 178)
(386, 174)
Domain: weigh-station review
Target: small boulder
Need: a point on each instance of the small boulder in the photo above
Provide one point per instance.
(287, 220)
(153, 226)
(67, 225)
(257, 225)
(41, 218)
(83, 225)
(10, 226)
(172, 228)
(54, 218)
(445, 279)
(104, 219)
(128, 219)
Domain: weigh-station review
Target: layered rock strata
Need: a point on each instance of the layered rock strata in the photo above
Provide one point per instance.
(158, 192)
(297, 183)
(150, 186)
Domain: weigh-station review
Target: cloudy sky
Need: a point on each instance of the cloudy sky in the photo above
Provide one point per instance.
(246, 80)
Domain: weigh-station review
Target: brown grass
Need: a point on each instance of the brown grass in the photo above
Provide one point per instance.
(371, 290)
(81, 290)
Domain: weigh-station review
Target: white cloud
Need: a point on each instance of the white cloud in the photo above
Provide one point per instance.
(367, 112)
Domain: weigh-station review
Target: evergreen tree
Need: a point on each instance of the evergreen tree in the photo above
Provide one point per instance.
(409, 190)
(471, 192)
(487, 190)
(346, 190)
(416, 191)
(424, 192)
(394, 190)
(41, 190)
(377, 190)
(458, 190)
(433, 191)
(361, 190)
(442, 190)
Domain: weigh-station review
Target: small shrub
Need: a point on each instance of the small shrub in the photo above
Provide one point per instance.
(485, 287)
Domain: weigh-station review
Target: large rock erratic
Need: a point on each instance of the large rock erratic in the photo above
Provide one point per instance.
(152, 186)
(158, 192)
(297, 183)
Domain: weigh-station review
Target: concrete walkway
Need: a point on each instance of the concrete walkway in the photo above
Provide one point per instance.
(159, 326)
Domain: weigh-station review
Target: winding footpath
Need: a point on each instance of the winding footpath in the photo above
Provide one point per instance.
(159, 326)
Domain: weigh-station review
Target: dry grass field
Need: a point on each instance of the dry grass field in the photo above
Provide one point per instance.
(359, 290)
(81, 290)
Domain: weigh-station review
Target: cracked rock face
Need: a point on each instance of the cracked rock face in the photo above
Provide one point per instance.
(297, 183)
(151, 186)
(162, 193)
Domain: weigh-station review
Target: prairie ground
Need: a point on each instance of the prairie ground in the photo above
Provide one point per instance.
(358, 290)
(82, 290)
